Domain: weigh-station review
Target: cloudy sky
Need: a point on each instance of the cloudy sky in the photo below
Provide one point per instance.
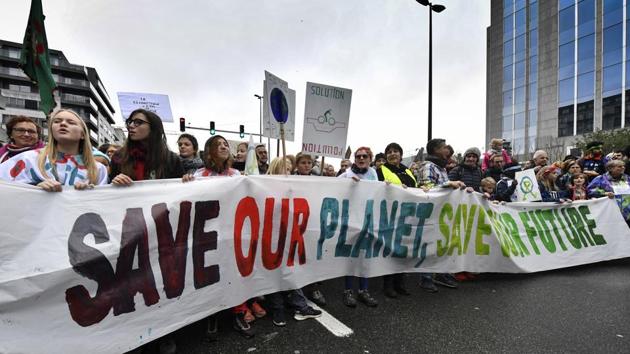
(210, 57)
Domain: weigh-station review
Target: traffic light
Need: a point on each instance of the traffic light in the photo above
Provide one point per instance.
(182, 124)
(212, 130)
(241, 131)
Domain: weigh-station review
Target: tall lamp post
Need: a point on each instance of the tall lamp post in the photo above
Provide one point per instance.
(437, 8)
(259, 97)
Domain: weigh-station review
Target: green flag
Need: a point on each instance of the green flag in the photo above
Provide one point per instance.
(35, 60)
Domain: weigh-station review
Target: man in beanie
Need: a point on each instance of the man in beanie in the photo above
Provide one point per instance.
(468, 171)
(594, 163)
(431, 174)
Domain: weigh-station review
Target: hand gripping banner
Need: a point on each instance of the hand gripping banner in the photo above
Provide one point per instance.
(110, 269)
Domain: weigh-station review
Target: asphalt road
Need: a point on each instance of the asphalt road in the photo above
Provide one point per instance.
(583, 309)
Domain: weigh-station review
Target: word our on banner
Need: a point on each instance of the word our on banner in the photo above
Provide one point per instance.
(156, 103)
(109, 269)
(326, 120)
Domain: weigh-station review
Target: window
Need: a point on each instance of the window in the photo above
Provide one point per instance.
(585, 117)
(31, 104)
(519, 99)
(533, 69)
(507, 78)
(508, 25)
(519, 74)
(565, 121)
(565, 3)
(507, 103)
(533, 42)
(533, 15)
(613, 12)
(613, 42)
(566, 60)
(586, 17)
(586, 86)
(611, 80)
(507, 123)
(586, 54)
(566, 25)
(565, 91)
(520, 22)
(627, 124)
(520, 45)
(508, 7)
(611, 112)
(533, 96)
(519, 120)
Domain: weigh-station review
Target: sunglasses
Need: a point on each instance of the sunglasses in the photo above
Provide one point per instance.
(135, 122)
(361, 156)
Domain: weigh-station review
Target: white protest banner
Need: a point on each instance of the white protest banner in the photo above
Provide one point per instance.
(158, 104)
(326, 120)
(527, 189)
(110, 269)
(271, 128)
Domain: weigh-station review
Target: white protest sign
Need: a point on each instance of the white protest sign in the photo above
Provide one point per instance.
(271, 128)
(527, 188)
(326, 120)
(156, 103)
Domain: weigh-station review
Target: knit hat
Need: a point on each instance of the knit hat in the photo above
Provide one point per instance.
(380, 155)
(474, 151)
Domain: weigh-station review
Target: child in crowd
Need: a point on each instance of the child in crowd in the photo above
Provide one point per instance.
(577, 187)
(488, 187)
(496, 147)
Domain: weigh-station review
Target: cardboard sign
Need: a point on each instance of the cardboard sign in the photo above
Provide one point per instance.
(158, 104)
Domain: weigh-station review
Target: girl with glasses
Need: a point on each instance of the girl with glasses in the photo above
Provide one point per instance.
(144, 154)
(67, 160)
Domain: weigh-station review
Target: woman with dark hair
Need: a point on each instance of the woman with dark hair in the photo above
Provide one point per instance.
(188, 148)
(67, 160)
(24, 135)
(144, 154)
(217, 160)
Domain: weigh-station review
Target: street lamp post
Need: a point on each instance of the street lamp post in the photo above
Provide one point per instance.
(259, 97)
(437, 8)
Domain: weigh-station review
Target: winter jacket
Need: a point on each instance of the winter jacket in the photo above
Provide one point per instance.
(600, 185)
(504, 191)
(471, 176)
(485, 162)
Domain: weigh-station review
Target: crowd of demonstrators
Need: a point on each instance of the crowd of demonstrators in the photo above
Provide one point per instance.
(68, 159)
(24, 135)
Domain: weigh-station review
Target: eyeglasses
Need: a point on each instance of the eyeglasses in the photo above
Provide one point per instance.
(361, 156)
(135, 122)
(23, 131)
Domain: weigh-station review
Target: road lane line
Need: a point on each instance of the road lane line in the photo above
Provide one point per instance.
(332, 324)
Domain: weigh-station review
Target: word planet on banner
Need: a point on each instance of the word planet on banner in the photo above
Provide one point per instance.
(156, 103)
(326, 120)
(278, 106)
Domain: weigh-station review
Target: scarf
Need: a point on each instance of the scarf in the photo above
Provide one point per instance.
(357, 170)
(438, 161)
(139, 155)
(10, 150)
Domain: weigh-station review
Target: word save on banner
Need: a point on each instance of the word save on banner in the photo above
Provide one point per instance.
(326, 120)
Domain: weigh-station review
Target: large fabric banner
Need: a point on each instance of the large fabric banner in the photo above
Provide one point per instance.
(110, 269)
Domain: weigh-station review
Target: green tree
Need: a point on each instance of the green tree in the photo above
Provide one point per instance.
(613, 140)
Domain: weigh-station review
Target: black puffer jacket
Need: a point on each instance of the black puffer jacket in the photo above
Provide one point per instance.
(471, 176)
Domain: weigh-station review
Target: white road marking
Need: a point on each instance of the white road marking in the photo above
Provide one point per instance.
(332, 324)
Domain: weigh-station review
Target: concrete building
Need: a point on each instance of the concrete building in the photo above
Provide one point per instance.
(556, 69)
(79, 88)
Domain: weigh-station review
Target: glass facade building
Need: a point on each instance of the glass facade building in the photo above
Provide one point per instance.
(565, 70)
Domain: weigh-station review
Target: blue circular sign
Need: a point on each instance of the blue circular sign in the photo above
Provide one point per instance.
(279, 106)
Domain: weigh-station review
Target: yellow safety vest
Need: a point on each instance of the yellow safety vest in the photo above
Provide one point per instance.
(391, 177)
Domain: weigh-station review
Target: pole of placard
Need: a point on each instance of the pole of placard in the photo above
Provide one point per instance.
(277, 147)
(321, 168)
(284, 151)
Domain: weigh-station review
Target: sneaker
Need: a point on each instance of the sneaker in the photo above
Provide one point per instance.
(279, 319)
(348, 298)
(318, 297)
(426, 283)
(367, 299)
(242, 327)
(390, 293)
(212, 333)
(306, 313)
(249, 317)
(258, 310)
(446, 280)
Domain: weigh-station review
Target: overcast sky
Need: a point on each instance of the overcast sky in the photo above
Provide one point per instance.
(210, 57)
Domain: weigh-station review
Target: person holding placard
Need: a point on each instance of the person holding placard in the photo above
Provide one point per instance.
(614, 184)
